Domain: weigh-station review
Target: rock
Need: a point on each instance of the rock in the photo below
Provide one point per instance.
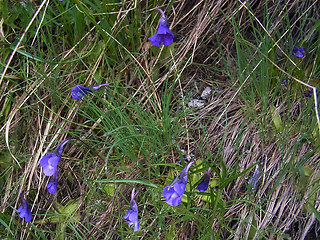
(206, 93)
(196, 103)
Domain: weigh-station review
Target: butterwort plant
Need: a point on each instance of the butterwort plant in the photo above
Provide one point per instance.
(204, 184)
(174, 191)
(49, 162)
(79, 91)
(163, 34)
(131, 216)
(24, 210)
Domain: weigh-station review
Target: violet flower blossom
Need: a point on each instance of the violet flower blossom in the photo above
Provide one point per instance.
(254, 179)
(298, 52)
(50, 161)
(204, 184)
(132, 215)
(24, 210)
(163, 34)
(174, 191)
(79, 91)
(52, 185)
(284, 82)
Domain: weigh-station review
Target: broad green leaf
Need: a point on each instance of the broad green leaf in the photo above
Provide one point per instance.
(109, 189)
(71, 207)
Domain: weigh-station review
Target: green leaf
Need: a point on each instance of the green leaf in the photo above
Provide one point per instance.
(315, 211)
(4, 9)
(4, 217)
(276, 118)
(28, 55)
(71, 207)
(253, 229)
(307, 171)
(66, 212)
(109, 189)
(129, 181)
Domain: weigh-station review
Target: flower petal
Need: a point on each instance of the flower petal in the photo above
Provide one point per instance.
(171, 196)
(163, 34)
(167, 39)
(174, 191)
(131, 216)
(204, 184)
(79, 91)
(163, 29)
(49, 164)
(155, 40)
(52, 185)
(96, 87)
(25, 211)
(298, 52)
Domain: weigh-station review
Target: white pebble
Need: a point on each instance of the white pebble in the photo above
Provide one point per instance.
(196, 103)
(206, 93)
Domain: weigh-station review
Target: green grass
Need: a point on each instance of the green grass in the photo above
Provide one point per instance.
(139, 131)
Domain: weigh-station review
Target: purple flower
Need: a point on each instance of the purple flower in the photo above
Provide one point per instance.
(204, 184)
(52, 185)
(284, 82)
(254, 179)
(24, 210)
(174, 191)
(132, 215)
(79, 91)
(298, 52)
(163, 34)
(50, 161)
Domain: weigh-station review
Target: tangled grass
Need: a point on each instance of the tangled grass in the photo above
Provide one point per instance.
(134, 132)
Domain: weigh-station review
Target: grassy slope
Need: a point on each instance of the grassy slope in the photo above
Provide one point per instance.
(134, 132)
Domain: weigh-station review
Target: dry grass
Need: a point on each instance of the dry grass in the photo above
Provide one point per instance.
(277, 207)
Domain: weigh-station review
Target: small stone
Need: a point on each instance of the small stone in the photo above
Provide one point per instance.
(206, 93)
(196, 103)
